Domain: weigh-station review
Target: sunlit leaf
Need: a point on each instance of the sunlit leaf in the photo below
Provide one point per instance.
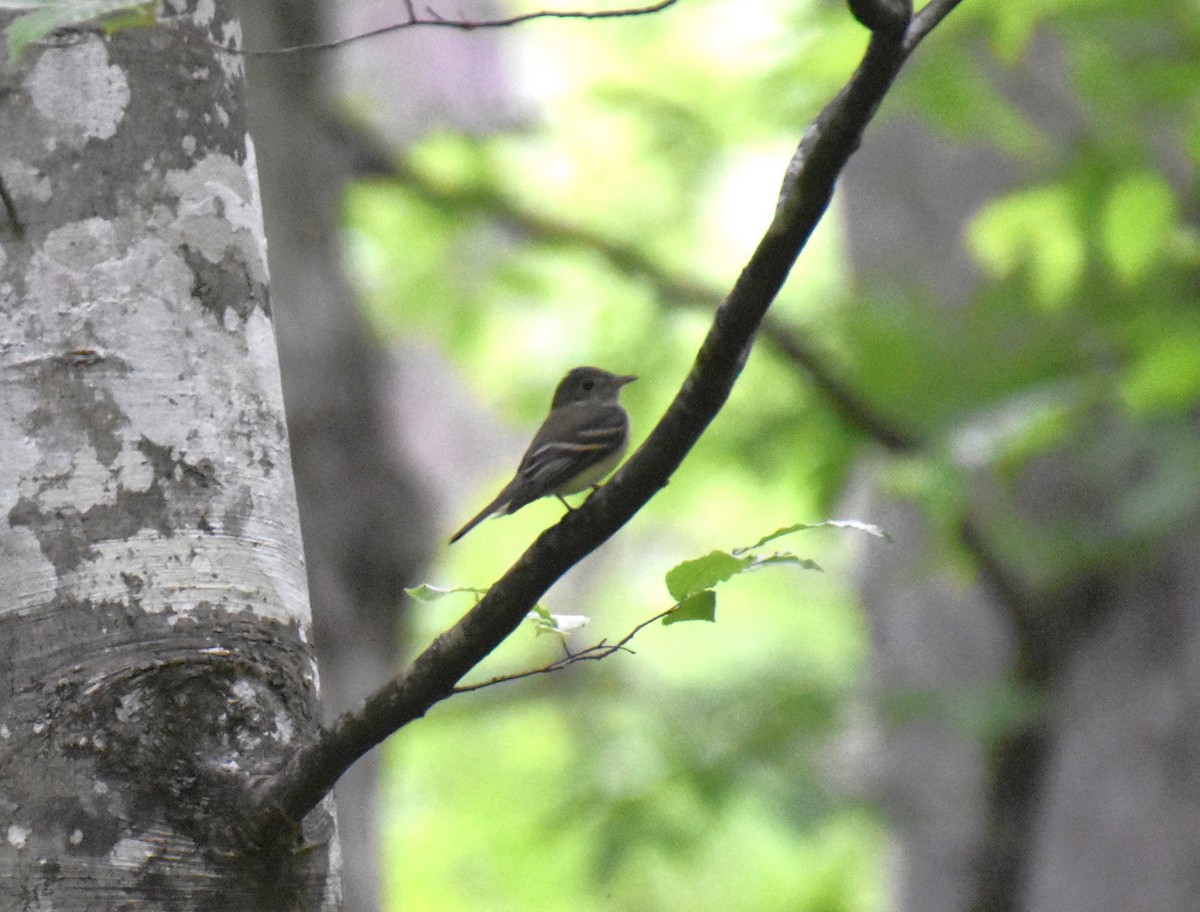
(562, 624)
(1014, 25)
(1166, 377)
(1019, 427)
(970, 107)
(543, 620)
(699, 606)
(1037, 232)
(428, 593)
(859, 525)
(565, 623)
(1139, 217)
(692, 576)
(785, 558)
(47, 15)
(142, 16)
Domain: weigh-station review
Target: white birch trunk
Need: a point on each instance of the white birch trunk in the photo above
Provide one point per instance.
(154, 653)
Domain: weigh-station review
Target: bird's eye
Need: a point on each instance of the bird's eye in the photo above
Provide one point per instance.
(589, 385)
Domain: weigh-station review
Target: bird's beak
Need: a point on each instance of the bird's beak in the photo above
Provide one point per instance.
(627, 378)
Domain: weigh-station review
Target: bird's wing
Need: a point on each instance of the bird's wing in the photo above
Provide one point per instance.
(581, 438)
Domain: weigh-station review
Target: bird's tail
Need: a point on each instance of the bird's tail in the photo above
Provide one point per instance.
(494, 507)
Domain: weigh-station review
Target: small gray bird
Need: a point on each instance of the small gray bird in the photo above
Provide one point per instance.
(580, 442)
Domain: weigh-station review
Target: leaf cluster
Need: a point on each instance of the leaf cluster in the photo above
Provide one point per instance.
(43, 17)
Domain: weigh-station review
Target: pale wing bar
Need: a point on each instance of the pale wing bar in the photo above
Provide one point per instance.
(559, 461)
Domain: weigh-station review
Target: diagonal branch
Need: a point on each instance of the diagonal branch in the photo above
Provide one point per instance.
(824, 150)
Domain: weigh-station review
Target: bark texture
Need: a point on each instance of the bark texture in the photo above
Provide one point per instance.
(154, 648)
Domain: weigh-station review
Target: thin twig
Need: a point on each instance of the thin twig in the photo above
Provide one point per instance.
(926, 21)
(432, 18)
(593, 653)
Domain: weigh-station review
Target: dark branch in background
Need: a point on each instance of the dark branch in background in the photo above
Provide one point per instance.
(432, 677)
(1047, 627)
(430, 18)
(628, 259)
(370, 158)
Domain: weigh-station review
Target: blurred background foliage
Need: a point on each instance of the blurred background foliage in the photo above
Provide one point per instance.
(715, 769)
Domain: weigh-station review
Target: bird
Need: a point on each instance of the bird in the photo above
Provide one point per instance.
(581, 441)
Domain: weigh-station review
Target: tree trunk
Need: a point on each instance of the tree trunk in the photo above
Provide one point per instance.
(154, 649)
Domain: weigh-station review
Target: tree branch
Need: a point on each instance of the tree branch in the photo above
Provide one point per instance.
(926, 21)
(630, 260)
(433, 19)
(432, 677)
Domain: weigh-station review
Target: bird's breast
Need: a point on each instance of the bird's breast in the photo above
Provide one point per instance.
(592, 475)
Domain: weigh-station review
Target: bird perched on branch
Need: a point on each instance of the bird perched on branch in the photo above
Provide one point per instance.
(580, 442)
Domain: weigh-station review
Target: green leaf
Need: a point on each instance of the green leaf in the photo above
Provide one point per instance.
(565, 623)
(562, 624)
(699, 606)
(1037, 232)
(690, 583)
(692, 576)
(1166, 377)
(869, 528)
(428, 593)
(785, 557)
(1139, 218)
(142, 16)
(778, 533)
(543, 620)
(1014, 24)
(48, 15)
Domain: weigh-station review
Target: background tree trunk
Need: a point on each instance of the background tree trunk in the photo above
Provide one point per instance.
(155, 655)
(367, 521)
(1088, 801)
(365, 524)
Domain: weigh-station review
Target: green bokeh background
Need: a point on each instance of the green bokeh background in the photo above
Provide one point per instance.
(700, 772)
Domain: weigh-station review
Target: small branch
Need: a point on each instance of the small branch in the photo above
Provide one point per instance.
(852, 408)
(926, 21)
(431, 18)
(593, 653)
(823, 152)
